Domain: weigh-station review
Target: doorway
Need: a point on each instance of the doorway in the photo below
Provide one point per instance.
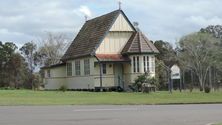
(118, 75)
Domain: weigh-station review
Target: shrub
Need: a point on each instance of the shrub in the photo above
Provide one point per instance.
(207, 89)
(63, 88)
(145, 78)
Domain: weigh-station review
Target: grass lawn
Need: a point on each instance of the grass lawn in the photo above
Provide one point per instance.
(29, 97)
(218, 124)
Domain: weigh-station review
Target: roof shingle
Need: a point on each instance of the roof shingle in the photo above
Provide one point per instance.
(90, 36)
(138, 44)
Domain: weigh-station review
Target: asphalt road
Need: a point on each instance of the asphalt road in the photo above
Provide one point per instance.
(110, 115)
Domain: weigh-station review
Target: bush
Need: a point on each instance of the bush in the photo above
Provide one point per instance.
(207, 89)
(145, 78)
(63, 88)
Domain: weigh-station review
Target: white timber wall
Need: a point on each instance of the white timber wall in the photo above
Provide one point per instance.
(57, 78)
(130, 76)
(107, 79)
(117, 37)
(113, 43)
(81, 81)
(121, 24)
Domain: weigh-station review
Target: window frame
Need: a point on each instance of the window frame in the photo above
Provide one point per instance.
(104, 69)
(86, 66)
(138, 64)
(69, 68)
(48, 73)
(77, 67)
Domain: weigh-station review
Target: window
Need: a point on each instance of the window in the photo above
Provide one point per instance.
(104, 68)
(146, 63)
(69, 69)
(136, 64)
(48, 73)
(77, 67)
(86, 67)
(152, 64)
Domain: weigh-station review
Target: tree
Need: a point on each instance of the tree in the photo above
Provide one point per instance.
(198, 52)
(6, 53)
(13, 69)
(166, 58)
(167, 53)
(216, 30)
(53, 48)
(29, 51)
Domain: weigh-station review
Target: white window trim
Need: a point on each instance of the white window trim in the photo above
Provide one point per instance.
(79, 69)
(87, 65)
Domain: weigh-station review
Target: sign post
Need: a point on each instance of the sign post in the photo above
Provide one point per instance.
(175, 74)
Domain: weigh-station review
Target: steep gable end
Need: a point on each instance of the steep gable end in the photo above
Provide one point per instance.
(90, 36)
(121, 24)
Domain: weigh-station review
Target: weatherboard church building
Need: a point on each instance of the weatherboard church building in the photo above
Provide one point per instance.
(108, 52)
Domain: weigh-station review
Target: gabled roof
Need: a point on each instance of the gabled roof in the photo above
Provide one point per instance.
(91, 35)
(138, 44)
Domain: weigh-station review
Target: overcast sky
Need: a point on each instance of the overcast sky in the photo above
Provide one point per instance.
(25, 20)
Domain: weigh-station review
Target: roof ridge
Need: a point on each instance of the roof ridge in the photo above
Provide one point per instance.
(147, 42)
(103, 15)
(140, 41)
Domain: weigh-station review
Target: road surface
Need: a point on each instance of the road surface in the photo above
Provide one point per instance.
(111, 115)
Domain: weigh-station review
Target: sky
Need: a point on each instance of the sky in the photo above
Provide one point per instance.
(26, 20)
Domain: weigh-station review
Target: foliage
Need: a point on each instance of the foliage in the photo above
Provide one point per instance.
(52, 49)
(166, 58)
(161, 73)
(145, 78)
(30, 54)
(13, 69)
(63, 88)
(198, 52)
(215, 30)
(207, 89)
(167, 53)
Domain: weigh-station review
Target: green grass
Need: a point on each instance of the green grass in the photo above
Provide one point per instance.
(219, 124)
(29, 97)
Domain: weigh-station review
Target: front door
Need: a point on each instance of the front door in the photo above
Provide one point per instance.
(118, 74)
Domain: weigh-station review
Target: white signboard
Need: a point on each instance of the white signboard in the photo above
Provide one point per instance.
(175, 72)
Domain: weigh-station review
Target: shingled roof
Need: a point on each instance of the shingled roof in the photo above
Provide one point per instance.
(138, 44)
(91, 35)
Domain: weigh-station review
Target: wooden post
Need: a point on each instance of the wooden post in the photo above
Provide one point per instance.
(101, 73)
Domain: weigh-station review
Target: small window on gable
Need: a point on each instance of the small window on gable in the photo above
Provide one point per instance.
(69, 69)
(77, 67)
(86, 67)
(104, 68)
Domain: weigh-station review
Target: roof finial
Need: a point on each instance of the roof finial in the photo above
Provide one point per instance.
(86, 17)
(119, 4)
(136, 25)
